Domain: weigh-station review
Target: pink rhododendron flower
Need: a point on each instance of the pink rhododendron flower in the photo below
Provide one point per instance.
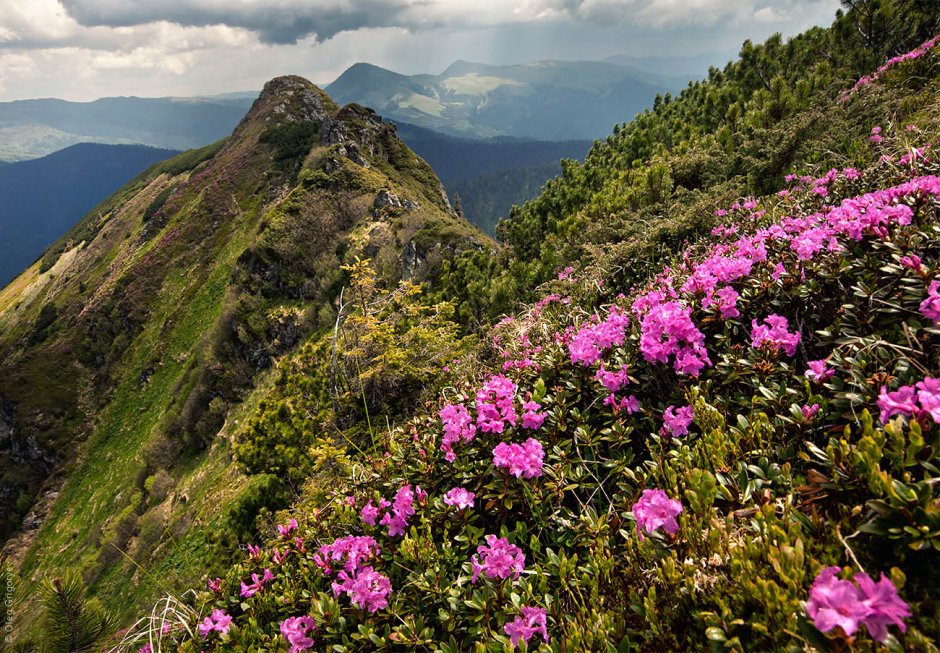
(809, 412)
(286, 530)
(402, 508)
(218, 621)
(773, 333)
(930, 307)
(367, 589)
(918, 401)
(294, 630)
(249, 590)
(520, 459)
(352, 551)
(593, 339)
(727, 302)
(497, 559)
(912, 261)
(928, 395)
(884, 604)
(667, 330)
(459, 498)
(818, 371)
(495, 404)
(254, 552)
(676, 422)
(779, 271)
(613, 381)
(835, 603)
(630, 404)
(903, 401)
(528, 623)
(214, 585)
(458, 427)
(655, 510)
(531, 418)
(369, 514)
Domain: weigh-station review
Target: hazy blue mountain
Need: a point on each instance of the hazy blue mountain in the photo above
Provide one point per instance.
(34, 128)
(546, 100)
(491, 175)
(42, 199)
(682, 68)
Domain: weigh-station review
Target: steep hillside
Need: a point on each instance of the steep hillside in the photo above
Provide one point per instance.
(42, 199)
(35, 128)
(718, 432)
(143, 331)
(545, 100)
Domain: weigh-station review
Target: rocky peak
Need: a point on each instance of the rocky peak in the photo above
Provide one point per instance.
(288, 99)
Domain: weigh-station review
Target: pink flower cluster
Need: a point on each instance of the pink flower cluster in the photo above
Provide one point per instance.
(520, 459)
(257, 584)
(367, 589)
(218, 621)
(875, 138)
(294, 631)
(529, 622)
(654, 510)
(918, 401)
(351, 551)
(667, 330)
(835, 603)
(593, 339)
(459, 498)
(396, 519)
(531, 417)
(676, 422)
(495, 404)
(497, 559)
(773, 334)
(916, 53)
(458, 427)
(930, 307)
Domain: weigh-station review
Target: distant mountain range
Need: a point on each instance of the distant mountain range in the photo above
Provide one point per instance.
(545, 100)
(490, 176)
(35, 128)
(42, 199)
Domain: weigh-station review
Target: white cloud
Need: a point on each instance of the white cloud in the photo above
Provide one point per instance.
(83, 49)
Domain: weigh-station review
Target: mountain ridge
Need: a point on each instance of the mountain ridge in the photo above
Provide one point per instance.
(161, 311)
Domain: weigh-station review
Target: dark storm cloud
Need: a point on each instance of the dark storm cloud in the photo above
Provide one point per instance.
(280, 21)
(287, 21)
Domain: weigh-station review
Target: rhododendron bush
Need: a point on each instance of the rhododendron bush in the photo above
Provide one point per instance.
(726, 457)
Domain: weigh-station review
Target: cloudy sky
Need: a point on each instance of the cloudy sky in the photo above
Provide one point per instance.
(85, 49)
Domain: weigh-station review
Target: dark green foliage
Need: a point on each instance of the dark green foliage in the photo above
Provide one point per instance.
(291, 140)
(158, 203)
(266, 494)
(73, 622)
(45, 319)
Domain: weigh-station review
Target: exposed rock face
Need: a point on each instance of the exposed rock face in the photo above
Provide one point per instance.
(291, 99)
(411, 260)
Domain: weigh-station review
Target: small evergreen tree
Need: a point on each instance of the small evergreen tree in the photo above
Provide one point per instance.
(74, 623)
